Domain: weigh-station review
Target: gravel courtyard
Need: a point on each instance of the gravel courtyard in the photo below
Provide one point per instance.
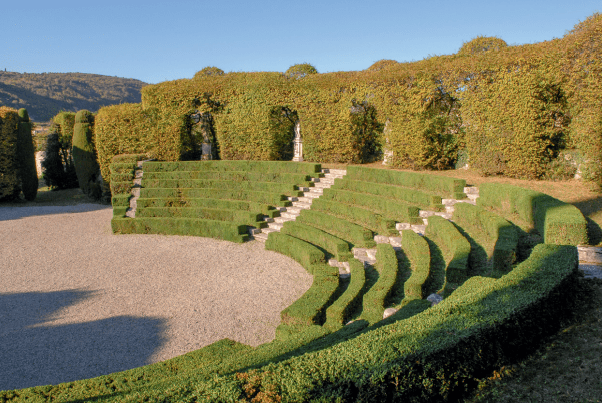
(77, 301)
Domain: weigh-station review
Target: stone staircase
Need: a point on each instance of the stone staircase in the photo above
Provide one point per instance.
(131, 211)
(368, 256)
(299, 203)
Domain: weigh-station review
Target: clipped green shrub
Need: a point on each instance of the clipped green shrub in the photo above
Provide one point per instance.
(375, 299)
(241, 217)
(226, 230)
(225, 165)
(303, 252)
(497, 235)
(445, 187)
(84, 153)
(330, 243)
(57, 165)
(454, 245)
(339, 312)
(309, 309)
(399, 193)
(417, 250)
(269, 198)
(389, 208)
(9, 167)
(558, 222)
(355, 234)
(356, 215)
(273, 187)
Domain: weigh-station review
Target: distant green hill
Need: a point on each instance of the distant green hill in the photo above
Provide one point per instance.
(46, 94)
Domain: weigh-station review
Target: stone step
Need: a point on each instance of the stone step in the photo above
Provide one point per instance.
(262, 237)
(590, 254)
(289, 215)
(305, 199)
(419, 229)
(400, 226)
(130, 212)
(324, 182)
(473, 196)
(371, 254)
(302, 204)
(334, 171)
(268, 219)
(292, 210)
(471, 190)
(275, 226)
(381, 239)
(292, 198)
(281, 220)
(428, 213)
(303, 188)
(395, 241)
(136, 192)
(312, 195)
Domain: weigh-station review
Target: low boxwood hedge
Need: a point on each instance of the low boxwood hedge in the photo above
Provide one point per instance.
(418, 253)
(238, 165)
(271, 198)
(558, 222)
(356, 215)
(444, 186)
(337, 247)
(274, 187)
(454, 245)
(355, 234)
(374, 300)
(338, 313)
(413, 196)
(497, 235)
(390, 209)
(225, 230)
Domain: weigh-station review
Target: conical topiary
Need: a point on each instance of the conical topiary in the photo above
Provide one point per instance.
(84, 154)
(26, 157)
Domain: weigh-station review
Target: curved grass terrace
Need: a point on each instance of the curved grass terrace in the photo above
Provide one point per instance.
(508, 282)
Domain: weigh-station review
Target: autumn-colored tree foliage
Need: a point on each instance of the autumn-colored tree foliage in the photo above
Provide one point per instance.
(514, 110)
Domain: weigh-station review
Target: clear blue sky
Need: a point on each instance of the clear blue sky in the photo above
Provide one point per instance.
(157, 41)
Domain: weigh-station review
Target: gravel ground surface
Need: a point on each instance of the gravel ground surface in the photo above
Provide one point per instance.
(78, 302)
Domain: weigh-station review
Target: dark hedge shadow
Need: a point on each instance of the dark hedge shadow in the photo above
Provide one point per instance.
(34, 354)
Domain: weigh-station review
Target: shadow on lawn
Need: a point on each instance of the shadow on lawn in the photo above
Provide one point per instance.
(34, 353)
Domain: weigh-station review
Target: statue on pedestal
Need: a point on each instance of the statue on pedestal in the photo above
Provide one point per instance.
(298, 144)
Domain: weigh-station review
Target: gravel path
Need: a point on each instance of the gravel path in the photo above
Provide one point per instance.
(78, 302)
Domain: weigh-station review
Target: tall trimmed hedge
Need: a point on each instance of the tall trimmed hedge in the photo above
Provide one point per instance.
(84, 153)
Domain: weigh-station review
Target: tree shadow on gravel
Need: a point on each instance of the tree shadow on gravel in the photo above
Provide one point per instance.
(33, 353)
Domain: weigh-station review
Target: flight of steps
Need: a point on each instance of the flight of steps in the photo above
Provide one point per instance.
(131, 211)
(368, 256)
(299, 203)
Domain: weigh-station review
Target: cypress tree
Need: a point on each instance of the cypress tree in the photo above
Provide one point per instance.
(26, 157)
(84, 153)
(9, 177)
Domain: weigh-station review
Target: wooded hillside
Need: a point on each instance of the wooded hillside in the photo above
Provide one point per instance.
(46, 94)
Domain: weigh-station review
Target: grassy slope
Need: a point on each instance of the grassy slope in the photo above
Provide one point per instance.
(567, 368)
